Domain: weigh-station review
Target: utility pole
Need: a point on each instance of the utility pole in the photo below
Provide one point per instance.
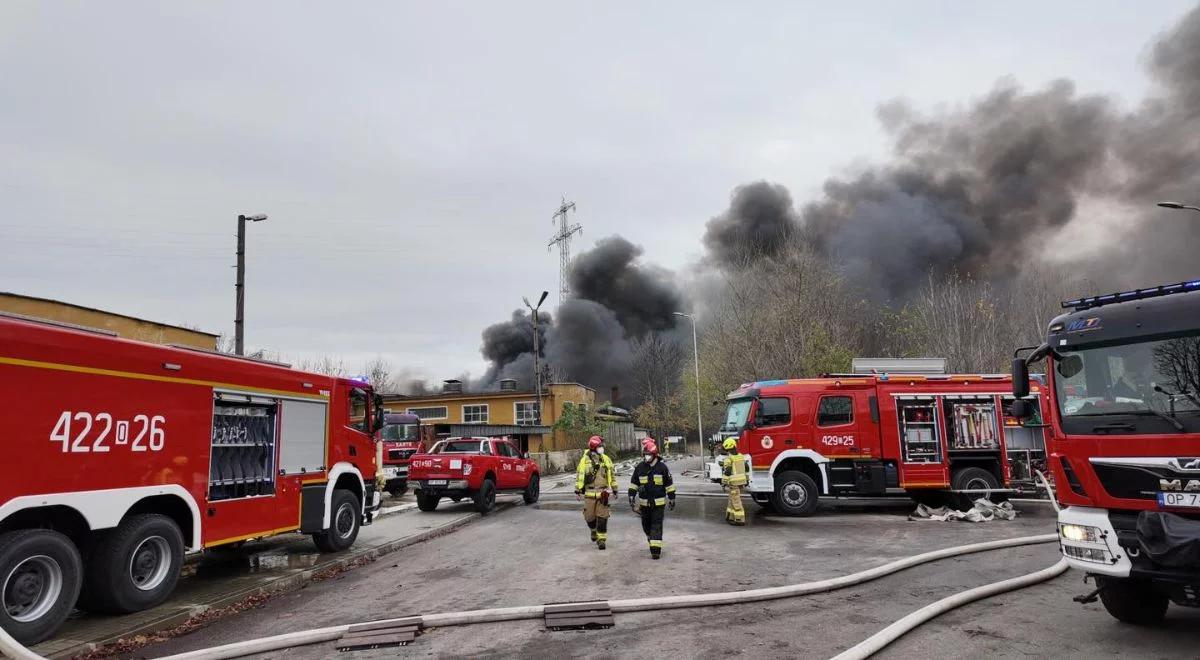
(563, 239)
(696, 355)
(537, 364)
(239, 340)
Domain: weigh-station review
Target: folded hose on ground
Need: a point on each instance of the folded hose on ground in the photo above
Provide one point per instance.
(879, 640)
(264, 644)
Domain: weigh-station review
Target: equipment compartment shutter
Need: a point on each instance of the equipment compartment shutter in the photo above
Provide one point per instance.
(302, 441)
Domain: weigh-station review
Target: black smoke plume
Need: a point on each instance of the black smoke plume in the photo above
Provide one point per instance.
(759, 222)
(643, 297)
(508, 346)
(981, 190)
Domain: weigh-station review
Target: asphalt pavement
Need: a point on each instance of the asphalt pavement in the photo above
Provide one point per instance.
(541, 554)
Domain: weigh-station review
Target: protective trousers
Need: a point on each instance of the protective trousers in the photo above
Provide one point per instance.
(734, 513)
(652, 525)
(595, 513)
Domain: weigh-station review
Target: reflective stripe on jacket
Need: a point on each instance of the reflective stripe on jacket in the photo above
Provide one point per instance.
(652, 484)
(585, 474)
(734, 467)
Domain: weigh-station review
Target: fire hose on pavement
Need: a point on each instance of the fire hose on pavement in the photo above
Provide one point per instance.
(331, 633)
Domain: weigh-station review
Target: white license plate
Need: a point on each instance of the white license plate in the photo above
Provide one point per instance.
(1185, 500)
(436, 482)
(391, 472)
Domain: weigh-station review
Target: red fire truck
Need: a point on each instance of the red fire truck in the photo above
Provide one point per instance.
(934, 437)
(122, 456)
(1124, 443)
(402, 435)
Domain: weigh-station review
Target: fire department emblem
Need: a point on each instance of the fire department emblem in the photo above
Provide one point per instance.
(767, 442)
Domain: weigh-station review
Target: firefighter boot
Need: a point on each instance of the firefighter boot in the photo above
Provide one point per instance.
(592, 527)
(601, 532)
(655, 549)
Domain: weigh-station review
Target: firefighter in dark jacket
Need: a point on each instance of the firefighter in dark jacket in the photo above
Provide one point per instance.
(651, 492)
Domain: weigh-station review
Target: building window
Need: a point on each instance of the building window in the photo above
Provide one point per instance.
(525, 413)
(475, 414)
(435, 412)
(835, 411)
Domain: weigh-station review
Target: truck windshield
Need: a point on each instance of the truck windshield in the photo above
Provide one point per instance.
(1122, 379)
(399, 432)
(458, 447)
(736, 414)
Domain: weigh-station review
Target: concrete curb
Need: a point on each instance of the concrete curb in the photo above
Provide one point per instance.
(278, 586)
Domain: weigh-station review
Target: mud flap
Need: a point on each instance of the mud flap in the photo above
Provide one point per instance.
(312, 508)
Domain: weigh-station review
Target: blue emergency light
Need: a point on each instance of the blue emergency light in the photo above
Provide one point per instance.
(1137, 294)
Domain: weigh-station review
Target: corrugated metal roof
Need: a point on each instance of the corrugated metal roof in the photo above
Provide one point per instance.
(495, 429)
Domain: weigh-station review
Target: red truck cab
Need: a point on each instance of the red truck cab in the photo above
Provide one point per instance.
(472, 467)
(1124, 442)
(402, 436)
(933, 437)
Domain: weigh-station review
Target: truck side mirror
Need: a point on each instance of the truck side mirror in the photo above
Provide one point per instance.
(1020, 378)
(1022, 409)
(380, 415)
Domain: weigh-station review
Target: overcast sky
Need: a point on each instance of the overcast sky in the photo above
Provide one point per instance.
(410, 154)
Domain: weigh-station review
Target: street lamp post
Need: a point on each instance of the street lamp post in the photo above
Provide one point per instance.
(696, 356)
(537, 365)
(1178, 206)
(239, 317)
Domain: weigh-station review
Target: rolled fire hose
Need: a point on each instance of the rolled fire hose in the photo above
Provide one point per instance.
(317, 635)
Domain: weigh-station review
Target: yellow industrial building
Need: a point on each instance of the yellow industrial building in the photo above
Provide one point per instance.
(502, 412)
(128, 327)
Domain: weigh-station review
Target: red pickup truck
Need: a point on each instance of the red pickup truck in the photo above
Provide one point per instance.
(475, 468)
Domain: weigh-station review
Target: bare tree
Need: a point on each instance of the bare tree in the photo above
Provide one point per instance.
(380, 375)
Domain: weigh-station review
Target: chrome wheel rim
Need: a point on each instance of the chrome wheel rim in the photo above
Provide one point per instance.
(32, 588)
(344, 523)
(150, 563)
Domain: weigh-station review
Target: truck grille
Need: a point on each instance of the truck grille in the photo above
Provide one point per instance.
(400, 454)
(1134, 482)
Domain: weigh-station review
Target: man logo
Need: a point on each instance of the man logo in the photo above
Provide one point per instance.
(1177, 485)
(1188, 463)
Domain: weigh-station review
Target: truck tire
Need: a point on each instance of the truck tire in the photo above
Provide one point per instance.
(397, 490)
(971, 478)
(40, 575)
(426, 502)
(485, 499)
(1132, 601)
(345, 517)
(533, 490)
(795, 494)
(133, 567)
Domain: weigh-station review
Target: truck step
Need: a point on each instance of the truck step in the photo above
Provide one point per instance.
(579, 616)
(380, 634)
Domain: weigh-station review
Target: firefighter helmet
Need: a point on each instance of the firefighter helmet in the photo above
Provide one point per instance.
(649, 446)
(730, 444)
(595, 441)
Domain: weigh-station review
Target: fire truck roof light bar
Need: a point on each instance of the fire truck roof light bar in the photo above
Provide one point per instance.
(1136, 294)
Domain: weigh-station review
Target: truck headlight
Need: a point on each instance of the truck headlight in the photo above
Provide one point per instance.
(1079, 533)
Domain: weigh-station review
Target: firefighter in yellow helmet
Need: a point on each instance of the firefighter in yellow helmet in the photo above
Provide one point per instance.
(734, 479)
(595, 482)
